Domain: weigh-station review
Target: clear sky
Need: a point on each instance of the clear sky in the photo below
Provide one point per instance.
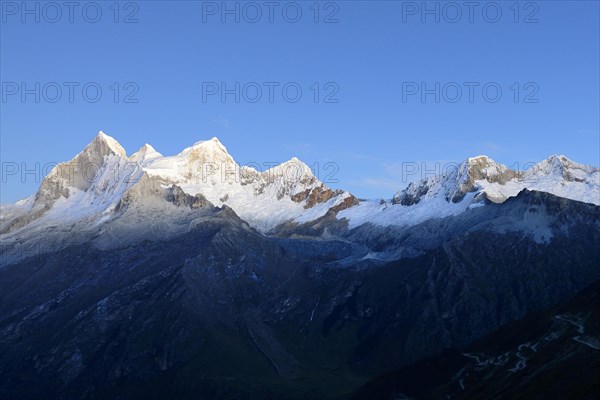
(369, 60)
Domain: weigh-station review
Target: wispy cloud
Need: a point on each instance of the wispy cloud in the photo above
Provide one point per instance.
(300, 148)
(222, 122)
(360, 157)
(492, 146)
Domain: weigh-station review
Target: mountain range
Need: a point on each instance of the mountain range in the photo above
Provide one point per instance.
(193, 277)
(102, 175)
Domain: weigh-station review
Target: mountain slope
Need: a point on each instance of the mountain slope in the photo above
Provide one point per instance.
(552, 354)
(214, 308)
(189, 277)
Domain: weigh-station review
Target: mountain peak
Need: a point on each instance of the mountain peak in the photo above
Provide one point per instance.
(105, 145)
(145, 153)
(479, 160)
(211, 142)
(147, 147)
(213, 145)
(560, 160)
(561, 166)
(207, 151)
(555, 159)
(559, 157)
(292, 169)
(457, 182)
(482, 167)
(553, 164)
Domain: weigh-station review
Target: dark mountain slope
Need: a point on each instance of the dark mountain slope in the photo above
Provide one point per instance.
(219, 311)
(553, 354)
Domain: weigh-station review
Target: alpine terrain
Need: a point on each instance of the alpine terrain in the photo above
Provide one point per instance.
(191, 276)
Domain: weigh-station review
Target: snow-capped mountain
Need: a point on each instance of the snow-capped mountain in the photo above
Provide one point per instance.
(142, 272)
(145, 155)
(457, 182)
(496, 182)
(264, 199)
(471, 183)
(88, 185)
(93, 183)
(96, 182)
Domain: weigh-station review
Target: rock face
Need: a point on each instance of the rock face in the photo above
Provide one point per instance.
(79, 173)
(152, 189)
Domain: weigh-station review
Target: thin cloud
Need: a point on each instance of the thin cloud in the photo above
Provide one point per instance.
(222, 122)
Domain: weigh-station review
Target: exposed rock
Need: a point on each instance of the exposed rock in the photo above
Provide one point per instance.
(178, 197)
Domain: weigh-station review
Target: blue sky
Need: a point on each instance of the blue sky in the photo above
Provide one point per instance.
(371, 61)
